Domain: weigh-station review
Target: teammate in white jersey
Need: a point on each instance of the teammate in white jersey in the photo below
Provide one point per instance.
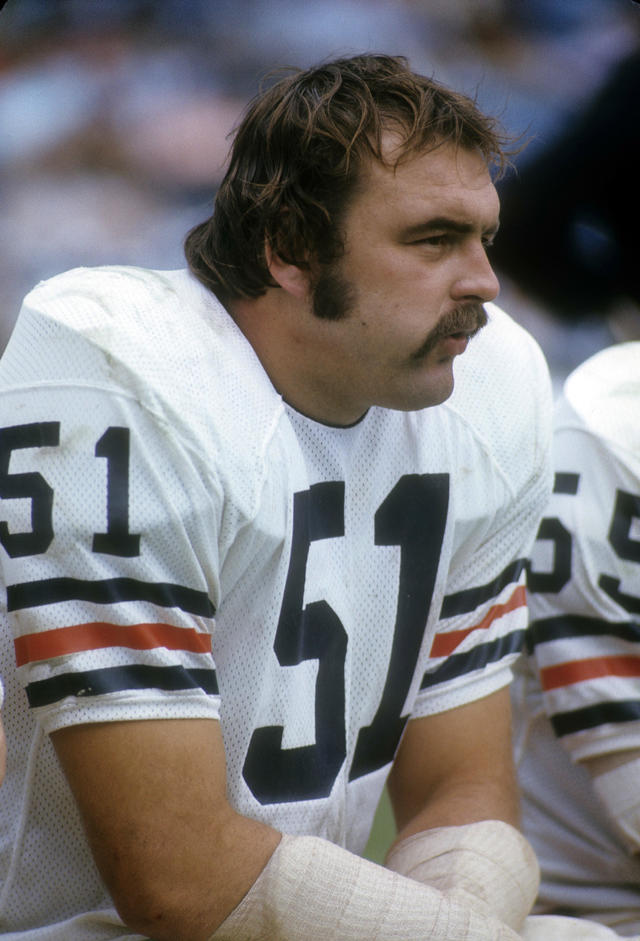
(577, 699)
(260, 555)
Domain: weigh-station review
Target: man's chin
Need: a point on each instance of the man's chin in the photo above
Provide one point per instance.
(435, 392)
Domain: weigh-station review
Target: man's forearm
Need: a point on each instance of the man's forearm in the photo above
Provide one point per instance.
(458, 801)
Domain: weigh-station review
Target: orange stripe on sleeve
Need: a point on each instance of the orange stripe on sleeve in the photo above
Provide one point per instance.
(446, 642)
(565, 674)
(100, 634)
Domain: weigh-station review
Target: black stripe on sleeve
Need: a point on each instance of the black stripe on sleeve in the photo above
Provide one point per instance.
(458, 664)
(110, 591)
(574, 625)
(463, 602)
(119, 679)
(564, 723)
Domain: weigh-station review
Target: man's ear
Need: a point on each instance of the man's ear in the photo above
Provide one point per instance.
(291, 278)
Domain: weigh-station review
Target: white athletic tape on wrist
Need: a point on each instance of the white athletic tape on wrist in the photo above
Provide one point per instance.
(619, 791)
(311, 890)
(561, 928)
(487, 866)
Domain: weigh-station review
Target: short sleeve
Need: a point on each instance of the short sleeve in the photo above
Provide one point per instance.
(482, 624)
(109, 557)
(585, 595)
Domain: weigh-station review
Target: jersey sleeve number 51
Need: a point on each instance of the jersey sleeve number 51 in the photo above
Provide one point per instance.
(113, 446)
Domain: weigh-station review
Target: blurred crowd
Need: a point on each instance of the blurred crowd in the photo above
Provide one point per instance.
(115, 119)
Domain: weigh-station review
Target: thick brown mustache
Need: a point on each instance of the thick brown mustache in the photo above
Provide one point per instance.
(467, 319)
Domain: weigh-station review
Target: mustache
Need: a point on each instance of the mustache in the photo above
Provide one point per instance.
(466, 318)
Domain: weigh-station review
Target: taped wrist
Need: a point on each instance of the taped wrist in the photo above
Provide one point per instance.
(619, 792)
(487, 866)
(311, 890)
(563, 928)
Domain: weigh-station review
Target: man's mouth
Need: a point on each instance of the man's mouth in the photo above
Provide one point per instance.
(456, 329)
(453, 344)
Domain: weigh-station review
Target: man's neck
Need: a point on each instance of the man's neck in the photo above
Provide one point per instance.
(295, 354)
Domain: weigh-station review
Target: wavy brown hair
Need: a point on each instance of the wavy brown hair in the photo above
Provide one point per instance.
(296, 158)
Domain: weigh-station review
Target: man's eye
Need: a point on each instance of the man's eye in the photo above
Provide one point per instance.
(436, 240)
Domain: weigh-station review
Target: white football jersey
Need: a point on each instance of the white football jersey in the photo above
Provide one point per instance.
(178, 542)
(578, 696)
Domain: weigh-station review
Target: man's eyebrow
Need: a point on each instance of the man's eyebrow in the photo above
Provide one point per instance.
(446, 224)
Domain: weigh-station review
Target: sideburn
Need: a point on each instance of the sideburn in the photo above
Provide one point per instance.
(333, 295)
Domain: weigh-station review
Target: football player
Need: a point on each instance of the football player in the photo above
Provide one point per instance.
(577, 698)
(264, 531)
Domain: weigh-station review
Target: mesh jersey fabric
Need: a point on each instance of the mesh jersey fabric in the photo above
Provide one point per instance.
(578, 694)
(179, 542)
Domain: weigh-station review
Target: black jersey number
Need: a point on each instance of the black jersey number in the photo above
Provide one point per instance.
(275, 774)
(30, 486)
(117, 540)
(626, 512)
(553, 531)
(413, 516)
(113, 445)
